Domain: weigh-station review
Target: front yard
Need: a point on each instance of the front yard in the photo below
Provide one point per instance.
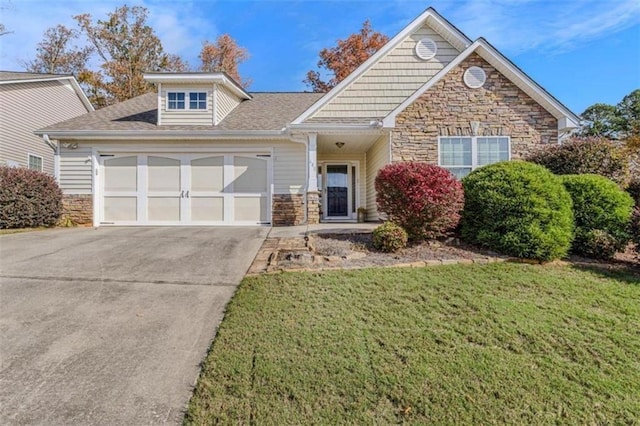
(470, 344)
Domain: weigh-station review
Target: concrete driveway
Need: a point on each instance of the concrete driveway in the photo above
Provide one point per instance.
(109, 326)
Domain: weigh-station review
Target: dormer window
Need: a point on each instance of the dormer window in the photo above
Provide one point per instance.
(177, 101)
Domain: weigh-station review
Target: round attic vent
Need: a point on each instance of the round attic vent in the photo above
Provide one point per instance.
(475, 77)
(426, 49)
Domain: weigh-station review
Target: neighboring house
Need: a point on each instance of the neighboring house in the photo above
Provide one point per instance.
(29, 102)
(202, 151)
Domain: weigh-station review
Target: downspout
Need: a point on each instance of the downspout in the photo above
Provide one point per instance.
(305, 142)
(56, 156)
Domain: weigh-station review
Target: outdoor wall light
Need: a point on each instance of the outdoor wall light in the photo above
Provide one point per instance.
(339, 144)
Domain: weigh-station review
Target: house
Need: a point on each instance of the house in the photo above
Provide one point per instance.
(203, 151)
(29, 102)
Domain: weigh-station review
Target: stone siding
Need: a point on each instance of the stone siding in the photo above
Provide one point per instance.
(313, 208)
(449, 106)
(288, 209)
(78, 208)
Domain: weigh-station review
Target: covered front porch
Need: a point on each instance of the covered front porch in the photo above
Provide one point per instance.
(342, 170)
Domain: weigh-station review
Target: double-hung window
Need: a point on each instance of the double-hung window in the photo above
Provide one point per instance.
(461, 154)
(35, 162)
(187, 101)
(175, 100)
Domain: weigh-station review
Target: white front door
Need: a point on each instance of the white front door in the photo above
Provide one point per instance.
(185, 189)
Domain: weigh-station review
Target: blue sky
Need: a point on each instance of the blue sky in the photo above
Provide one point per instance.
(582, 51)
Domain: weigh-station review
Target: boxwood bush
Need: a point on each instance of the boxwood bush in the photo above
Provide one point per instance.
(28, 198)
(517, 208)
(424, 199)
(602, 212)
(585, 155)
(389, 237)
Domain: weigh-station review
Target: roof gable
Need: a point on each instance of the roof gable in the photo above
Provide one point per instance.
(566, 118)
(448, 36)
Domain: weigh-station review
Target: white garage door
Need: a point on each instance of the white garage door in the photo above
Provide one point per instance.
(184, 189)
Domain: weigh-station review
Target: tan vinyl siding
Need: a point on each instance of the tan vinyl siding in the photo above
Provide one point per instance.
(377, 157)
(362, 176)
(26, 107)
(391, 80)
(75, 170)
(289, 161)
(225, 102)
(186, 117)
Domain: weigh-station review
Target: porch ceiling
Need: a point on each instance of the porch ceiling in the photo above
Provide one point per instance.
(353, 144)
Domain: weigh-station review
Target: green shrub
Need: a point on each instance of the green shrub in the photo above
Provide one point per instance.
(28, 198)
(519, 209)
(585, 155)
(389, 237)
(602, 212)
(424, 199)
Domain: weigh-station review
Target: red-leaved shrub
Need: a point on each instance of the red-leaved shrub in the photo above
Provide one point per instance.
(424, 199)
(28, 198)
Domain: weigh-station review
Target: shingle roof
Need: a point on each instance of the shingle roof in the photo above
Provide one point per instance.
(266, 111)
(17, 76)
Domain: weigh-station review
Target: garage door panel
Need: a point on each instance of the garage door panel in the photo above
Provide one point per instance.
(250, 175)
(250, 209)
(207, 209)
(207, 174)
(163, 209)
(163, 174)
(121, 174)
(120, 209)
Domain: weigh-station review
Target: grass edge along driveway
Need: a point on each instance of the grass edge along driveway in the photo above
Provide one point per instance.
(501, 343)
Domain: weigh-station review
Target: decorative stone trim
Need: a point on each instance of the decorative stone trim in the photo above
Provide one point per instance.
(313, 208)
(287, 209)
(78, 208)
(449, 108)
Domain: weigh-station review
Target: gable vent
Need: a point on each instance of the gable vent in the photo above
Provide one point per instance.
(426, 49)
(475, 77)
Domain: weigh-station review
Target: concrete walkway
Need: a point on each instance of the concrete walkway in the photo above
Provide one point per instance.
(109, 326)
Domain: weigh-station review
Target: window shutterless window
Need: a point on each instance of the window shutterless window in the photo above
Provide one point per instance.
(175, 100)
(198, 100)
(462, 154)
(35, 162)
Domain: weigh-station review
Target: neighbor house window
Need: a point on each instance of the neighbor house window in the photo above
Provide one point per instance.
(175, 100)
(198, 100)
(35, 162)
(462, 154)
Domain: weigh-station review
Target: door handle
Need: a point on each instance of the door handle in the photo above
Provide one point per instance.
(187, 194)
(182, 194)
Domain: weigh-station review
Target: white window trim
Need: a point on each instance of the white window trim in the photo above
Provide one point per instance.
(474, 151)
(35, 156)
(187, 97)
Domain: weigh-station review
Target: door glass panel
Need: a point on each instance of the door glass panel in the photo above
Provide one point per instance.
(338, 190)
(163, 209)
(120, 209)
(163, 174)
(250, 174)
(250, 209)
(207, 209)
(207, 174)
(121, 174)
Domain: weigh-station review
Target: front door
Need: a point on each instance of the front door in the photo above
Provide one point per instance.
(337, 190)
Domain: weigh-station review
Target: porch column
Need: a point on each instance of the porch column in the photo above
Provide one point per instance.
(313, 196)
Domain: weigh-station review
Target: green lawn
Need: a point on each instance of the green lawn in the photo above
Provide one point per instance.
(472, 344)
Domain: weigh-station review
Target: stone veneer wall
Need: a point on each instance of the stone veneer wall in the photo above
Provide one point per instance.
(447, 109)
(313, 208)
(79, 208)
(287, 210)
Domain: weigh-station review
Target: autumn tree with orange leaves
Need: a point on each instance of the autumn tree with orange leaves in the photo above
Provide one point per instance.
(345, 57)
(56, 53)
(224, 56)
(128, 47)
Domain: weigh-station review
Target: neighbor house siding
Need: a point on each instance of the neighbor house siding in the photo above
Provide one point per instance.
(390, 81)
(75, 170)
(26, 107)
(377, 157)
(186, 117)
(448, 108)
(362, 176)
(225, 102)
